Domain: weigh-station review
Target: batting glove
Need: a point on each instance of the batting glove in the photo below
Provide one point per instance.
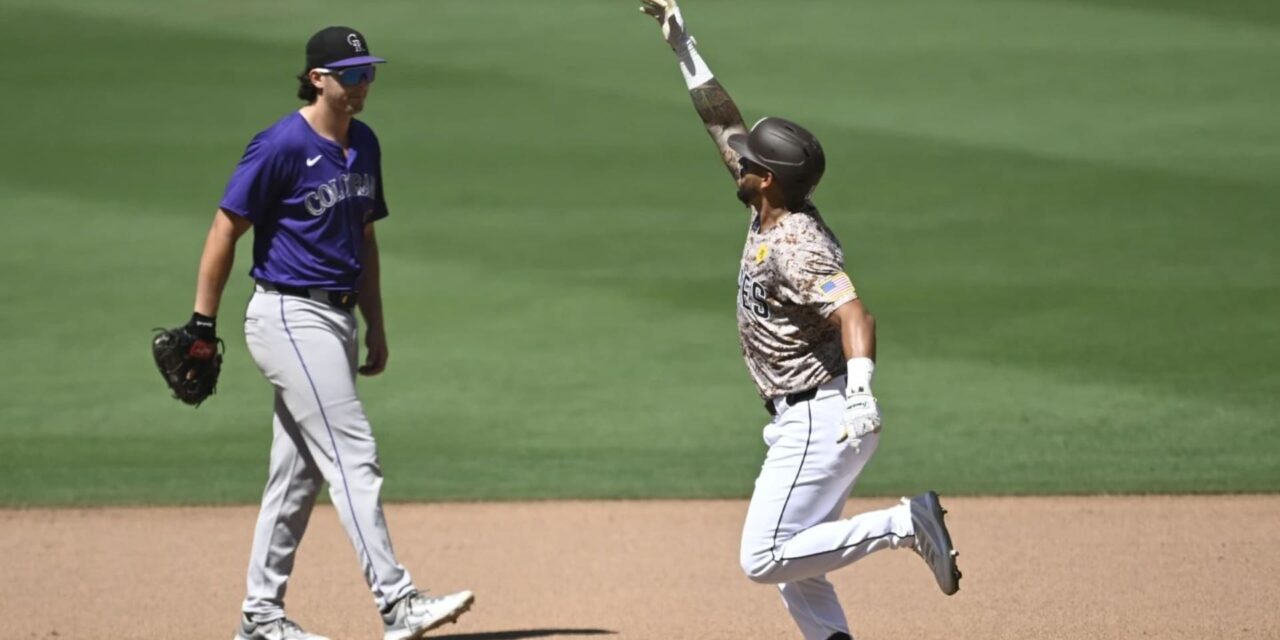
(861, 419)
(668, 15)
(861, 414)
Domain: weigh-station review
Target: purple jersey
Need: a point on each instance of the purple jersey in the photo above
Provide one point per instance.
(308, 203)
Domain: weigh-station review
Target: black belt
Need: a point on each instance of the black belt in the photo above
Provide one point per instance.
(792, 399)
(340, 299)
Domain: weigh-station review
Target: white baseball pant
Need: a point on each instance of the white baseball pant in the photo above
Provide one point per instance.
(793, 533)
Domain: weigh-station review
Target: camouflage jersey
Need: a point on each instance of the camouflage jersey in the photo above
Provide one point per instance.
(790, 281)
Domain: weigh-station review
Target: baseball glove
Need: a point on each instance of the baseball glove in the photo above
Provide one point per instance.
(189, 359)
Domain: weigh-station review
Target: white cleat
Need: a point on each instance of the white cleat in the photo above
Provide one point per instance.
(278, 629)
(414, 615)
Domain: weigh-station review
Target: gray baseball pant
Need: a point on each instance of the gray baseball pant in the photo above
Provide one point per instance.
(307, 348)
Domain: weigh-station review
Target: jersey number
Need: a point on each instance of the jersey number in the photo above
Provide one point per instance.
(752, 296)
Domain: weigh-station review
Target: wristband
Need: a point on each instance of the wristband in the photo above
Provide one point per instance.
(203, 327)
(860, 372)
(692, 67)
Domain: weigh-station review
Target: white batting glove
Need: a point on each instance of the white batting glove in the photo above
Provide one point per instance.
(668, 15)
(861, 414)
(861, 419)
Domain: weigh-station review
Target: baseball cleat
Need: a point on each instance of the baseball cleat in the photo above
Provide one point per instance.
(933, 542)
(278, 629)
(414, 615)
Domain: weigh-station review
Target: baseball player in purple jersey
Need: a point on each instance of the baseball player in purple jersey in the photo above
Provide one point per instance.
(310, 186)
(809, 343)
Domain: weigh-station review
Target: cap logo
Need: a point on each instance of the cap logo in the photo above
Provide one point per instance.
(354, 41)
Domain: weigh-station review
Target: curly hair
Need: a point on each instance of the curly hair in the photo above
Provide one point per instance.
(307, 92)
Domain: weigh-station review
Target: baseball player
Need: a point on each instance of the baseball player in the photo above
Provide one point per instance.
(310, 186)
(809, 344)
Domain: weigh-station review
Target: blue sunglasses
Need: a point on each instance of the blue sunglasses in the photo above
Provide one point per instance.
(351, 76)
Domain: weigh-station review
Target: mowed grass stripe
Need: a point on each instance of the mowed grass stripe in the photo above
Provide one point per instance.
(563, 248)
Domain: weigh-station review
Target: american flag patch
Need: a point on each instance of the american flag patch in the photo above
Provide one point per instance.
(836, 287)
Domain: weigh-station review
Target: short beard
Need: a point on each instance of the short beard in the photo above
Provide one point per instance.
(747, 194)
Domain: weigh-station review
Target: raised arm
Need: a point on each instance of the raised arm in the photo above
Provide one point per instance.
(714, 106)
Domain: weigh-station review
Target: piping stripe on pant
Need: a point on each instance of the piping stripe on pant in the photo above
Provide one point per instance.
(337, 457)
(773, 551)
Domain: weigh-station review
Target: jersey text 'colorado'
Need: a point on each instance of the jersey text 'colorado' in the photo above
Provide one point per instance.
(309, 200)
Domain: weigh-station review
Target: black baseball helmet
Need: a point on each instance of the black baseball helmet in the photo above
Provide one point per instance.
(787, 150)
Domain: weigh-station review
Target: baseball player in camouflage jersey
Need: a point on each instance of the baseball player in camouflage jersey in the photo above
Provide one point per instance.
(310, 186)
(809, 343)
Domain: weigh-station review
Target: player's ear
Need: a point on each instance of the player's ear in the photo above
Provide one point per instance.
(317, 78)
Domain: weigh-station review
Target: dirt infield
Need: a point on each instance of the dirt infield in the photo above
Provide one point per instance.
(1109, 567)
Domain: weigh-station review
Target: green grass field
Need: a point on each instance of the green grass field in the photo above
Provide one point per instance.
(1064, 215)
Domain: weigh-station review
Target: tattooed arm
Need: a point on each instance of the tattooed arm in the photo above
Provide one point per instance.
(715, 107)
(722, 118)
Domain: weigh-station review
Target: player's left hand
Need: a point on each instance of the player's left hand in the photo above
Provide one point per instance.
(189, 358)
(668, 15)
(376, 353)
(861, 419)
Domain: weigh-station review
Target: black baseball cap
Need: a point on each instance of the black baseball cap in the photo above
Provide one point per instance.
(335, 47)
